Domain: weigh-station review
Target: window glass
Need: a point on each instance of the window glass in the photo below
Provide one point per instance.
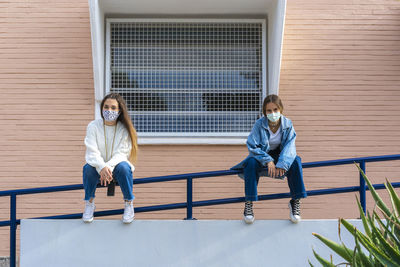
(188, 77)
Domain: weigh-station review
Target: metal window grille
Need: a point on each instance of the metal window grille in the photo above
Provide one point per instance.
(193, 78)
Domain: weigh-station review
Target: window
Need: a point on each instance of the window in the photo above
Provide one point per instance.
(188, 78)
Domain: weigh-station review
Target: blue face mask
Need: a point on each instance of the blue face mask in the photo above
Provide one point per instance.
(110, 115)
(274, 117)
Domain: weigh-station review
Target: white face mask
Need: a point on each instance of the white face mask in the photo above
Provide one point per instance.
(110, 115)
(274, 117)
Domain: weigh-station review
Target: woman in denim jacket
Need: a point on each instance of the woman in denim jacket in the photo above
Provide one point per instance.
(272, 152)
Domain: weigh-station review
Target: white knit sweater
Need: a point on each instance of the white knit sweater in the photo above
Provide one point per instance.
(95, 145)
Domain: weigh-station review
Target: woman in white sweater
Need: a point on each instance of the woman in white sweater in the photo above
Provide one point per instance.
(111, 148)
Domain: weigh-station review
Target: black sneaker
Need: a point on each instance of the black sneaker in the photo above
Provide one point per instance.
(248, 215)
(294, 207)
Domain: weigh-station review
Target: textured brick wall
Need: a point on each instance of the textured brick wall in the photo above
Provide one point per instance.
(340, 80)
(46, 88)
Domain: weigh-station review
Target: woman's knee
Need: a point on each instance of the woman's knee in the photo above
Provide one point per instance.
(123, 167)
(90, 174)
(296, 166)
(297, 161)
(251, 163)
(89, 170)
(251, 170)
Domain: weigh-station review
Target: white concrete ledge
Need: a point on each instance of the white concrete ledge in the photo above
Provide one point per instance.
(175, 243)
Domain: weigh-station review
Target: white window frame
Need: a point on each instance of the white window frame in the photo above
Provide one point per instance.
(189, 138)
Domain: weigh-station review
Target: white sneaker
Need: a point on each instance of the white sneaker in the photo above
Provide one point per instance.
(129, 212)
(87, 216)
(248, 214)
(294, 207)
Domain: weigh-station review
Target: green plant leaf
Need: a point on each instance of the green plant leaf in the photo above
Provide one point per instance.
(341, 250)
(390, 234)
(363, 218)
(381, 238)
(321, 260)
(371, 222)
(374, 194)
(356, 259)
(364, 260)
(396, 226)
(394, 198)
(386, 247)
(381, 256)
(353, 230)
(371, 247)
(340, 238)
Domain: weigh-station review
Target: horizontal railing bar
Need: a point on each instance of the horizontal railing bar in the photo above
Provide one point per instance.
(196, 175)
(210, 202)
(184, 176)
(350, 161)
(5, 223)
(155, 179)
(276, 196)
(38, 190)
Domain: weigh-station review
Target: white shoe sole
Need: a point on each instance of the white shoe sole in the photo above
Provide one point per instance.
(128, 221)
(88, 220)
(293, 219)
(247, 220)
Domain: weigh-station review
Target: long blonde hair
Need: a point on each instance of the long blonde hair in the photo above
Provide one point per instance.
(126, 121)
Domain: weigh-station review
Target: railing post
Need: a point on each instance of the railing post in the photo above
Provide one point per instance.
(13, 229)
(189, 199)
(362, 188)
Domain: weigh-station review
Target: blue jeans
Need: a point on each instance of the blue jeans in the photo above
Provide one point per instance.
(294, 177)
(122, 173)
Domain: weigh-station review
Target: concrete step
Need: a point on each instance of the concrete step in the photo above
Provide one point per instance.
(176, 242)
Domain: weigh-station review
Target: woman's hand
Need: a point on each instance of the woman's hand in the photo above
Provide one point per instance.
(105, 176)
(280, 172)
(271, 169)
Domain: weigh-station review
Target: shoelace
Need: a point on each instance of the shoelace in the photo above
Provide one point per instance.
(248, 208)
(295, 206)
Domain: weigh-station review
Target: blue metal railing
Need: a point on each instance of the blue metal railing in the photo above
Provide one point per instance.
(189, 204)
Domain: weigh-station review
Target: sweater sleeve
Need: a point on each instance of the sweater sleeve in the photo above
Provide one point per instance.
(121, 151)
(93, 156)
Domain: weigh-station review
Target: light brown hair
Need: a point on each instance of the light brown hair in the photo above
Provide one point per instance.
(272, 99)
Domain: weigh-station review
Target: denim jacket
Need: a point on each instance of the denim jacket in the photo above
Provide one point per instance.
(258, 145)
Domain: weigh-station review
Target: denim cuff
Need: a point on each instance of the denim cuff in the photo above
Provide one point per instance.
(251, 198)
(300, 195)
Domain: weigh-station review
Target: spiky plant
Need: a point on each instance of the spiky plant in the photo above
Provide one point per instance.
(380, 244)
